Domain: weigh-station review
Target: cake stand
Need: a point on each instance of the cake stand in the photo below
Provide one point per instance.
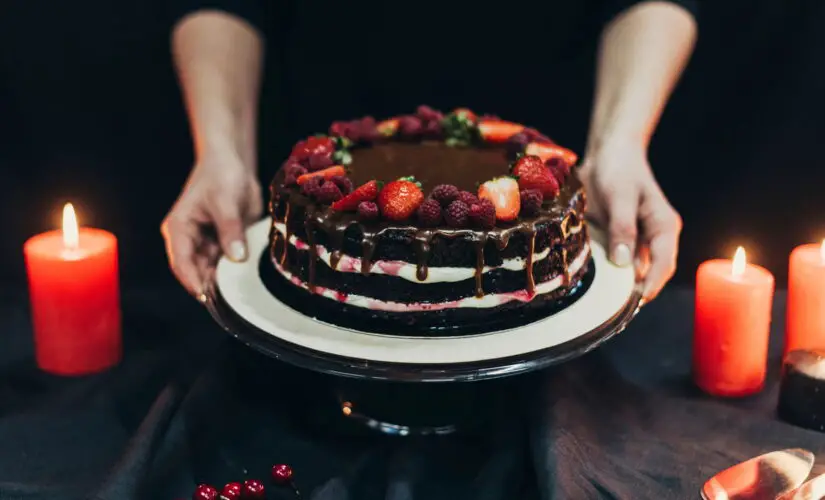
(413, 372)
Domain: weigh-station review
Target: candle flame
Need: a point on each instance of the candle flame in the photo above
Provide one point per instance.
(71, 236)
(739, 262)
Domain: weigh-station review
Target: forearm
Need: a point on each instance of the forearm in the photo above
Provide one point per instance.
(641, 55)
(218, 59)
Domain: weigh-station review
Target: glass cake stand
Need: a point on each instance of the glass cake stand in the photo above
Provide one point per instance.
(407, 385)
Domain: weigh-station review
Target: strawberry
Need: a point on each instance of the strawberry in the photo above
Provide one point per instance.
(466, 113)
(546, 151)
(312, 146)
(388, 128)
(498, 130)
(503, 192)
(365, 192)
(400, 199)
(533, 174)
(326, 173)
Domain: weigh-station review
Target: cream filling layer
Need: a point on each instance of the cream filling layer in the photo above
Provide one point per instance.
(486, 301)
(407, 270)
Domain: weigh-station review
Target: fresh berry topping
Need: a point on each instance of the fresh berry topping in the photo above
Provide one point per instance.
(312, 146)
(429, 213)
(400, 199)
(326, 173)
(231, 491)
(465, 113)
(433, 130)
(282, 473)
(559, 167)
(517, 143)
(483, 214)
(290, 180)
(428, 114)
(533, 174)
(388, 128)
(503, 192)
(312, 186)
(329, 193)
(294, 169)
(444, 194)
(467, 197)
(205, 492)
(339, 129)
(531, 200)
(547, 151)
(253, 490)
(366, 192)
(368, 130)
(320, 161)
(410, 126)
(537, 136)
(498, 130)
(343, 183)
(368, 210)
(457, 214)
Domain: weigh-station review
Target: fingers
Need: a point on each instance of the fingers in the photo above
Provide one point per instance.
(181, 249)
(230, 226)
(622, 226)
(664, 246)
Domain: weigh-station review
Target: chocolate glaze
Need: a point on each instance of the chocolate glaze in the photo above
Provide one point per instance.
(431, 164)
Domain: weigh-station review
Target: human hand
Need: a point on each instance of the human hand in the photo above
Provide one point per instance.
(624, 197)
(220, 198)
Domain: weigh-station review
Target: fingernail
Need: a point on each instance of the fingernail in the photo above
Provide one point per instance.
(237, 251)
(621, 255)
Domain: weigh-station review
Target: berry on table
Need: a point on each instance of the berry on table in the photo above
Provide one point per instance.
(467, 197)
(444, 194)
(326, 173)
(457, 214)
(503, 192)
(531, 200)
(483, 214)
(366, 192)
(344, 183)
(282, 473)
(205, 492)
(329, 193)
(400, 199)
(429, 213)
(253, 490)
(231, 491)
(368, 211)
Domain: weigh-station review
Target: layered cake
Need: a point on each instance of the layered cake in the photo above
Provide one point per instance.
(428, 220)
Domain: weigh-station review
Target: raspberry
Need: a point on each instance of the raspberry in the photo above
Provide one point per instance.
(328, 193)
(457, 214)
(367, 129)
(312, 187)
(517, 144)
(483, 214)
(433, 130)
(344, 183)
(428, 114)
(429, 213)
(294, 169)
(339, 129)
(531, 200)
(467, 198)
(559, 168)
(320, 161)
(536, 136)
(368, 210)
(290, 180)
(410, 126)
(444, 194)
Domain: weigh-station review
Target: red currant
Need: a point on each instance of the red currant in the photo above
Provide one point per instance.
(281, 473)
(231, 491)
(205, 492)
(253, 490)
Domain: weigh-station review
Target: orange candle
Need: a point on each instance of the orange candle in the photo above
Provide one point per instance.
(731, 326)
(805, 315)
(75, 298)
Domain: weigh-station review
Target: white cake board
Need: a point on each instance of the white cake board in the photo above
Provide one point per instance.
(603, 310)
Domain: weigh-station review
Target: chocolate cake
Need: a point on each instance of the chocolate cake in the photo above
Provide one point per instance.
(428, 220)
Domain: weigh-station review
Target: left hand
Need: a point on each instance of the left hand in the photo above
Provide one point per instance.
(624, 198)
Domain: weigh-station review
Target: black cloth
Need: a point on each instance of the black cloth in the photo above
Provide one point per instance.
(189, 405)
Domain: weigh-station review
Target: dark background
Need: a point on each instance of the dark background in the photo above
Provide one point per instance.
(90, 113)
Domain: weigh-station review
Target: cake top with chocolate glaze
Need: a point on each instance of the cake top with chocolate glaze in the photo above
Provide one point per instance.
(453, 171)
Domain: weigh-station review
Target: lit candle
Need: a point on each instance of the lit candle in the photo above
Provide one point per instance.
(731, 326)
(75, 298)
(805, 315)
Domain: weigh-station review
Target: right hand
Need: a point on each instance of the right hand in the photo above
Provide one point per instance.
(220, 199)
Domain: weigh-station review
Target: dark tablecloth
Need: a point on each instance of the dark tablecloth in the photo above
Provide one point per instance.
(188, 405)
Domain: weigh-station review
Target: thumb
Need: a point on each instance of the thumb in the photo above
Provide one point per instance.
(623, 228)
(230, 227)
